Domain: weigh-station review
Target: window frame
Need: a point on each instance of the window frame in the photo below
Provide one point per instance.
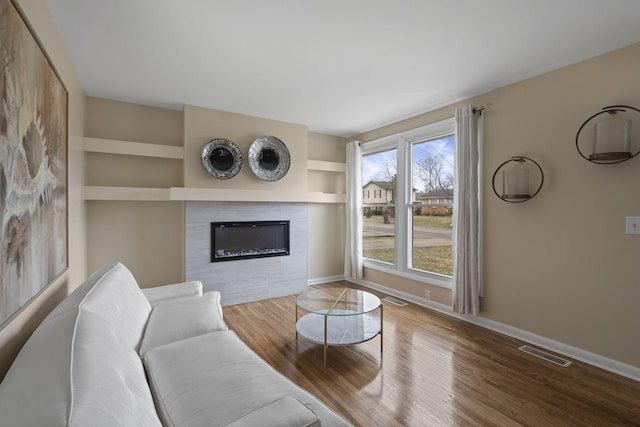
(403, 142)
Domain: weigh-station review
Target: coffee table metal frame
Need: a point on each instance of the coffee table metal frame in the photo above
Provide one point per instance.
(339, 316)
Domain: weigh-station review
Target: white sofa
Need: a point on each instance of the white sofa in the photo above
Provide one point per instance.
(111, 354)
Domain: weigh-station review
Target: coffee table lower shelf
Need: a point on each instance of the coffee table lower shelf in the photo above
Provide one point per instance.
(336, 330)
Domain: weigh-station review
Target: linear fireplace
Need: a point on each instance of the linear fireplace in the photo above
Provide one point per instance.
(247, 280)
(249, 239)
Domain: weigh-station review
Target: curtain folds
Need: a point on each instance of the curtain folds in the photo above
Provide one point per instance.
(467, 273)
(353, 241)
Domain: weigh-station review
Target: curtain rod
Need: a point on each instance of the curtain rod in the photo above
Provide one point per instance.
(481, 108)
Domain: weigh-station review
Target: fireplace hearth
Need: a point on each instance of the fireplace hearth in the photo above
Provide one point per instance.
(232, 241)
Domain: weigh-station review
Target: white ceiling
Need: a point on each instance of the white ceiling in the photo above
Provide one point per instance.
(338, 66)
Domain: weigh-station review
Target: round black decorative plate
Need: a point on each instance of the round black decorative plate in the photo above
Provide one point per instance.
(221, 158)
(269, 158)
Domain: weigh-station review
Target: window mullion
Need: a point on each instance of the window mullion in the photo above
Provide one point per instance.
(401, 204)
(408, 208)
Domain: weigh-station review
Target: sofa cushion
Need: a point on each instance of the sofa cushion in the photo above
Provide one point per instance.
(109, 386)
(75, 371)
(74, 298)
(80, 367)
(117, 296)
(182, 318)
(216, 379)
(285, 412)
(36, 390)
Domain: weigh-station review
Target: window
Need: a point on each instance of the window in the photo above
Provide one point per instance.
(377, 194)
(379, 218)
(410, 231)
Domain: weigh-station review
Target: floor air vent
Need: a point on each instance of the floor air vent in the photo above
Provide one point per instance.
(394, 301)
(546, 356)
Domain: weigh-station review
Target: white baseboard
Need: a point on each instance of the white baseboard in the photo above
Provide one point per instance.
(321, 280)
(558, 347)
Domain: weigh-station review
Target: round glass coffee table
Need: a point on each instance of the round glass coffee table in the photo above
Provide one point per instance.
(338, 316)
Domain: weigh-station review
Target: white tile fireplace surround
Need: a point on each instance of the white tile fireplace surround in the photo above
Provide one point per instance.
(247, 279)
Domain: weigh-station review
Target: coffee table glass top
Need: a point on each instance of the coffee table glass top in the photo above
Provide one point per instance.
(338, 302)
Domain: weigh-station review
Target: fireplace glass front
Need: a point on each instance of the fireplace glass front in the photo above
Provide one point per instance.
(248, 239)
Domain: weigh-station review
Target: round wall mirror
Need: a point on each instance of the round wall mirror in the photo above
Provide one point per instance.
(269, 158)
(222, 158)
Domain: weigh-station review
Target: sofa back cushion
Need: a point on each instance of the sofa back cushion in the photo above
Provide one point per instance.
(118, 298)
(109, 386)
(72, 301)
(81, 367)
(182, 318)
(36, 388)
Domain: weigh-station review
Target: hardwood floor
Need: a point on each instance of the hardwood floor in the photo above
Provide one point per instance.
(436, 371)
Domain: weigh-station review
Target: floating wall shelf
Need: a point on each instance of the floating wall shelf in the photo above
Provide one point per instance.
(206, 194)
(128, 148)
(320, 165)
(126, 193)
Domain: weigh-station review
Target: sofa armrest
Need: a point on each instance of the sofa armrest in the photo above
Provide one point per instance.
(177, 290)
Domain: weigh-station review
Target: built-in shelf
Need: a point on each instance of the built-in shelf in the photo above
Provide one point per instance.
(128, 148)
(206, 194)
(217, 194)
(326, 198)
(321, 165)
(126, 193)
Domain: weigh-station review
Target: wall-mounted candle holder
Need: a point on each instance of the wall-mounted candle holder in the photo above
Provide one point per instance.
(608, 136)
(519, 179)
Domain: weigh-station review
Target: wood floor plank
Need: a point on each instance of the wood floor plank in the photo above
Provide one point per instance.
(435, 371)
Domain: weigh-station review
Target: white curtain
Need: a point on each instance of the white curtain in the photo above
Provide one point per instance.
(353, 240)
(467, 272)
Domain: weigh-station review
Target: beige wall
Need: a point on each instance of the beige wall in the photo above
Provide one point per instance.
(146, 236)
(326, 220)
(132, 122)
(329, 149)
(559, 265)
(202, 125)
(14, 333)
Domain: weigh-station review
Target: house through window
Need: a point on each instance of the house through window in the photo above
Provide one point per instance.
(410, 231)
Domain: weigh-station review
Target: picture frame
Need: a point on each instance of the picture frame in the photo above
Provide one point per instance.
(33, 166)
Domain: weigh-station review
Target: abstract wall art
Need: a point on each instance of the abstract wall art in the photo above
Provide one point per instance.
(33, 167)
